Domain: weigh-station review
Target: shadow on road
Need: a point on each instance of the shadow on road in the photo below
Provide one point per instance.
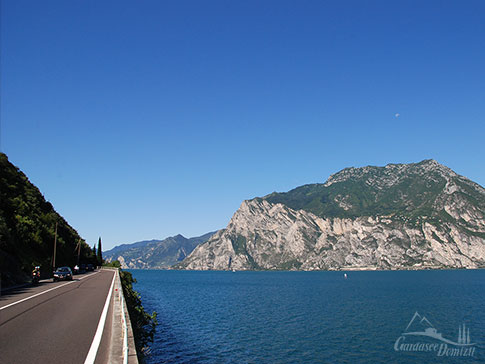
(9, 292)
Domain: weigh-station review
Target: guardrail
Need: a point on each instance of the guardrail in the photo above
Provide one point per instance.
(122, 352)
(124, 325)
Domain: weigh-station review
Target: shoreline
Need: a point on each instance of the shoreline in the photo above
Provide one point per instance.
(346, 269)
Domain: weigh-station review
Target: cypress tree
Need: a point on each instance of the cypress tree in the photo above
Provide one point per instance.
(100, 254)
(94, 253)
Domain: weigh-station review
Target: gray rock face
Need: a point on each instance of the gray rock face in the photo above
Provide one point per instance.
(448, 232)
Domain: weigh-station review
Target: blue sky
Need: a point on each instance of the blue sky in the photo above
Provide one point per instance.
(145, 119)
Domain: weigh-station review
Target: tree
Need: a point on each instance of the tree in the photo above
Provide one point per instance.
(100, 253)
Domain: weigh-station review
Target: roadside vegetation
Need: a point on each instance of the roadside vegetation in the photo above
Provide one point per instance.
(143, 323)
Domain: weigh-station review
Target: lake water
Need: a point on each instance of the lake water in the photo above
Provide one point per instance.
(314, 317)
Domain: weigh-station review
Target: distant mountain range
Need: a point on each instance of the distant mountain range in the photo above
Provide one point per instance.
(155, 254)
(401, 216)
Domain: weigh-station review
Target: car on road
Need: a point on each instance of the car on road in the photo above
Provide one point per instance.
(90, 267)
(63, 273)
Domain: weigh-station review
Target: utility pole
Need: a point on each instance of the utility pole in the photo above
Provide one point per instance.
(55, 244)
(78, 250)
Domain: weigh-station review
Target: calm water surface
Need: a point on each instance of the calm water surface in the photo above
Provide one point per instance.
(308, 317)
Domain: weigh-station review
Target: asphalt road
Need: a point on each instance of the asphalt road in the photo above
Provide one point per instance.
(57, 325)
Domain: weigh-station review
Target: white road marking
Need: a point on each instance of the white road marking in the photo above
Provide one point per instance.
(93, 350)
(38, 294)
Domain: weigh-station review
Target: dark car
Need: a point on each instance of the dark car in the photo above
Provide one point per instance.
(63, 273)
(90, 267)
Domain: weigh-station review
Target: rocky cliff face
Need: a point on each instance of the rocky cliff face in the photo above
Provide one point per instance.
(411, 216)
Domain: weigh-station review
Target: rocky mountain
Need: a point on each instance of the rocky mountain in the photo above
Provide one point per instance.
(401, 216)
(155, 254)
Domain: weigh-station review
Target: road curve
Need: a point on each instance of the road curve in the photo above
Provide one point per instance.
(53, 322)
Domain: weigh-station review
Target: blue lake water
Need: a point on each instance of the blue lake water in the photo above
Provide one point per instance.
(313, 317)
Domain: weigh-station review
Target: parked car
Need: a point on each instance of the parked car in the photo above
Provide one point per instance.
(90, 268)
(82, 268)
(63, 273)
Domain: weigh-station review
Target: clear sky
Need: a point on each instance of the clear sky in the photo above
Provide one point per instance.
(145, 119)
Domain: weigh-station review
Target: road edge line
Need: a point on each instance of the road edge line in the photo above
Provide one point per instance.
(93, 350)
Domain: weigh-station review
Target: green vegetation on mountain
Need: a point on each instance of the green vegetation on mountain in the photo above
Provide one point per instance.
(27, 229)
(407, 191)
